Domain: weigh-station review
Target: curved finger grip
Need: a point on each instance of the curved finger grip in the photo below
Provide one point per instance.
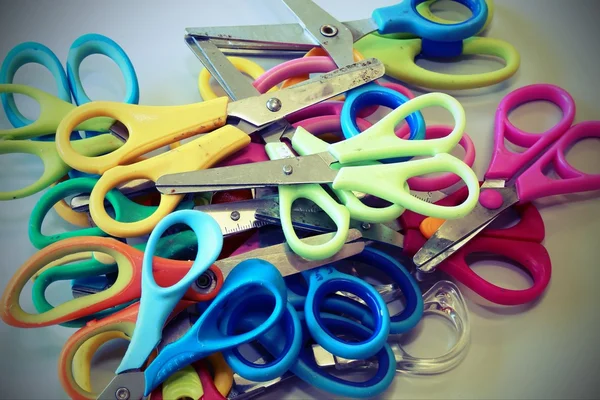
(148, 127)
(380, 141)
(200, 153)
(93, 43)
(25, 53)
(532, 256)
(388, 182)
(324, 281)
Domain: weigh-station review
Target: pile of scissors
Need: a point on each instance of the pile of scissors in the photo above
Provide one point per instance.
(292, 230)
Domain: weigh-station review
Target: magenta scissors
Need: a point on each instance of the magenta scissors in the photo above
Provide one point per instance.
(517, 178)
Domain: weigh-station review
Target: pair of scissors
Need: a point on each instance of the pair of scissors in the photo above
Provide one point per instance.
(69, 85)
(251, 114)
(518, 177)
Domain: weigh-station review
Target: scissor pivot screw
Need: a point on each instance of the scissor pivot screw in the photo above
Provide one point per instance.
(329, 30)
(287, 169)
(366, 226)
(274, 104)
(122, 393)
(235, 215)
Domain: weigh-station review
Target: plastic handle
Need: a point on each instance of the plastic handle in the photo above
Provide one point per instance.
(305, 144)
(404, 17)
(204, 337)
(388, 182)
(505, 163)
(532, 256)
(52, 111)
(324, 281)
(197, 154)
(380, 141)
(533, 184)
(371, 94)
(25, 53)
(149, 128)
(288, 194)
(157, 302)
(93, 43)
(54, 166)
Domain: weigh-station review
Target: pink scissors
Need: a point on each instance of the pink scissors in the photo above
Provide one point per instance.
(518, 178)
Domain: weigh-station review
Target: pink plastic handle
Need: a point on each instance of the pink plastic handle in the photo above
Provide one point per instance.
(252, 153)
(533, 184)
(530, 255)
(445, 180)
(505, 163)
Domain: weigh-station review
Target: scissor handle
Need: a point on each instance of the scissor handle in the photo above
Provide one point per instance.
(307, 369)
(530, 255)
(52, 111)
(205, 336)
(398, 56)
(54, 166)
(533, 183)
(157, 302)
(288, 194)
(93, 43)
(324, 281)
(148, 129)
(410, 316)
(404, 17)
(370, 94)
(201, 153)
(305, 144)
(506, 163)
(292, 338)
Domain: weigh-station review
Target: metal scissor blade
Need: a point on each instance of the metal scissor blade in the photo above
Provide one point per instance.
(453, 234)
(128, 385)
(288, 262)
(270, 107)
(289, 171)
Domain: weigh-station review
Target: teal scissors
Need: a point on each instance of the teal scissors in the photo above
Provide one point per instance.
(68, 82)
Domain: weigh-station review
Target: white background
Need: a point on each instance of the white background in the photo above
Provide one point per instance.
(544, 350)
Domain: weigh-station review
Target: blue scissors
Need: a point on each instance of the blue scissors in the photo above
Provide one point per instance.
(204, 337)
(69, 82)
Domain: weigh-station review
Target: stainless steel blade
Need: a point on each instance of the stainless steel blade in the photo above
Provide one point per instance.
(128, 385)
(332, 35)
(80, 202)
(270, 107)
(453, 234)
(290, 171)
(288, 262)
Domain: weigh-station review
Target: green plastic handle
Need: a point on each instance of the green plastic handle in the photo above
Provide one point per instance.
(314, 192)
(179, 246)
(54, 167)
(306, 143)
(388, 181)
(52, 111)
(125, 210)
(380, 141)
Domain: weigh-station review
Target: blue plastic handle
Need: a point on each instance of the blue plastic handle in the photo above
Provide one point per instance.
(324, 281)
(306, 368)
(374, 94)
(205, 336)
(25, 53)
(93, 43)
(291, 337)
(157, 302)
(404, 18)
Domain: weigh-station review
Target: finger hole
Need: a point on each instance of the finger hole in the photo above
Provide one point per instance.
(464, 64)
(19, 171)
(507, 219)
(434, 336)
(500, 271)
(35, 75)
(105, 361)
(534, 117)
(582, 155)
(451, 11)
(101, 78)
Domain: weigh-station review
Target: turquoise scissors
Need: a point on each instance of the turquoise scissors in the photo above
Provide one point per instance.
(68, 82)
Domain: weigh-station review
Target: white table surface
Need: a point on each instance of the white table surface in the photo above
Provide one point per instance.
(547, 349)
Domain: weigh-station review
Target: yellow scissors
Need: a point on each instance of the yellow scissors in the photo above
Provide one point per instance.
(152, 127)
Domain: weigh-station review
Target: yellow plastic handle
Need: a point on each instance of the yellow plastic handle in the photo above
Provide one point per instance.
(398, 56)
(200, 153)
(222, 372)
(149, 128)
(52, 110)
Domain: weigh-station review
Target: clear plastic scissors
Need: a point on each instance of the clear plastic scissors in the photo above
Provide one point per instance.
(518, 177)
